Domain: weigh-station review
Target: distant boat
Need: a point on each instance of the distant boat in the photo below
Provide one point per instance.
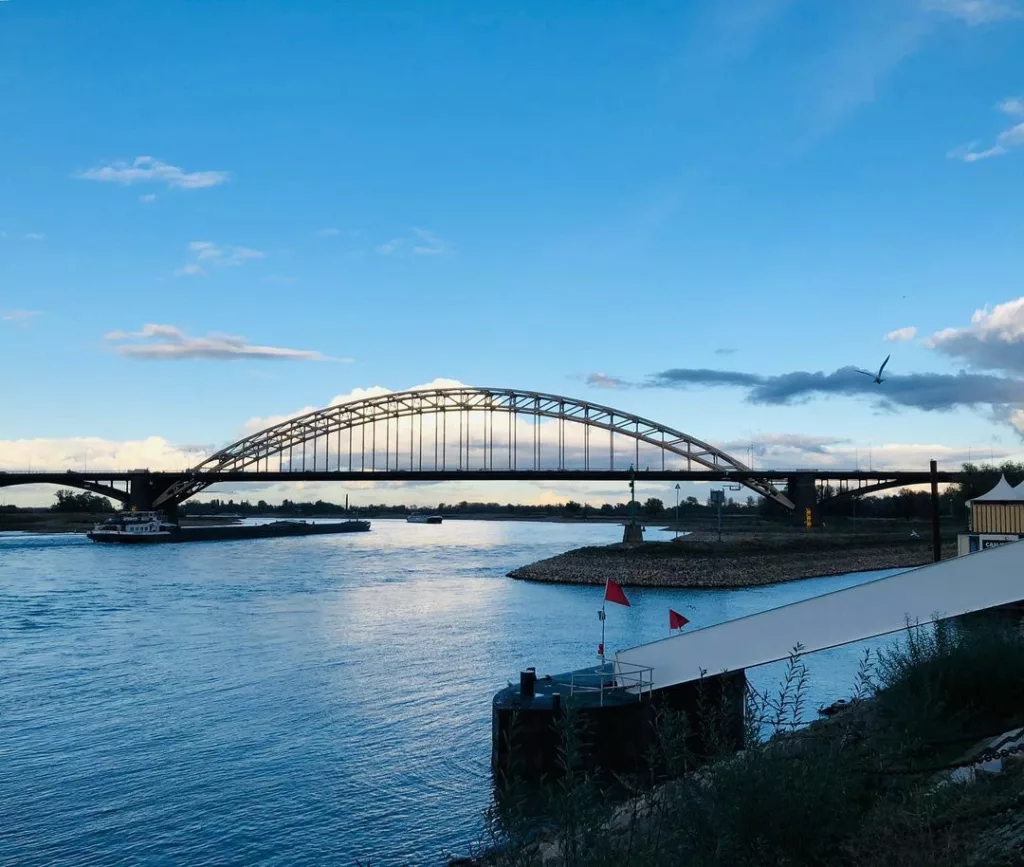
(423, 518)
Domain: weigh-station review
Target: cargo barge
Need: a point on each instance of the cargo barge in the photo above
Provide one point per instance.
(136, 528)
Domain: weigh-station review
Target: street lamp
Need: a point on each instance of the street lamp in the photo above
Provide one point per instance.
(677, 510)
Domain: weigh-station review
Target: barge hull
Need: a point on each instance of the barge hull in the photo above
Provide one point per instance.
(277, 530)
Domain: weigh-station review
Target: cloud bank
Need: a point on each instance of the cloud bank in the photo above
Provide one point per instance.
(145, 169)
(167, 342)
(902, 335)
(211, 254)
(991, 347)
(993, 341)
(20, 318)
(1007, 140)
(926, 391)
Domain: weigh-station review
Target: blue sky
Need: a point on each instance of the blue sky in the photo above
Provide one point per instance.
(518, 196)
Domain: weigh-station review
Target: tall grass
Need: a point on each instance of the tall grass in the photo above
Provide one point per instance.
(840, 791)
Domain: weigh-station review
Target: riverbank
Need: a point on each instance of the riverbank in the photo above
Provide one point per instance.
(740, 560)
(922, 768)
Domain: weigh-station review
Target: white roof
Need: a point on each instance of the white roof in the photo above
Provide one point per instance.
(1003, 492)
(880, 607)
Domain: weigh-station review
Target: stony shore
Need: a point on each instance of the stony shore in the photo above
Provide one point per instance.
(745, 560)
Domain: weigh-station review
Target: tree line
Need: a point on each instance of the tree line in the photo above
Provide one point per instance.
(900, 505)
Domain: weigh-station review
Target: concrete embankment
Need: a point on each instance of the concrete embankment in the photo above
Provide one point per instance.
(743, 560)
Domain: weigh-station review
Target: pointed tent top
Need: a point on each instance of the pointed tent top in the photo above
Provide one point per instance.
(1003, 492)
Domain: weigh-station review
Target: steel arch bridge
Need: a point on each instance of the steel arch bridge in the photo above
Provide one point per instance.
(490, 430)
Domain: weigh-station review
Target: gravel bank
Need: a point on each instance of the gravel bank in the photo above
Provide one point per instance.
(740, 561)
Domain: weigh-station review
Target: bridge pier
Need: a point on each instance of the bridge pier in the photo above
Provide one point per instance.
(801, 489)
(632, 533)
(142, 493)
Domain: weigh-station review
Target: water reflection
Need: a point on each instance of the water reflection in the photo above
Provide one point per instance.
(292, 701)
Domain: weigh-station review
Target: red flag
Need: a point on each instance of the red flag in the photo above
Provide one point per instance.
(613, 593)
(676, 620)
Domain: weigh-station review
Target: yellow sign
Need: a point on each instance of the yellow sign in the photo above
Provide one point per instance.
(807, 518)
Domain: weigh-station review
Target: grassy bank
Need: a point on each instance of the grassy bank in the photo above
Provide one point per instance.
(43, 521)
(892, 779)
(739, 560)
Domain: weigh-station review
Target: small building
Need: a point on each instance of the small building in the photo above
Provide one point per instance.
(997, 517)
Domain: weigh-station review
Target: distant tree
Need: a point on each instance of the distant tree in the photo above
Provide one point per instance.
(750, 502)
(692, 501)
(573, 508)
(69, 501)
(653, 507)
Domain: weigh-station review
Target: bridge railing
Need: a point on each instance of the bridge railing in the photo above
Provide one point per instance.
(619, 678)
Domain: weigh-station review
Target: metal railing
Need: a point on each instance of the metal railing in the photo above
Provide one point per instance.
(620, 678)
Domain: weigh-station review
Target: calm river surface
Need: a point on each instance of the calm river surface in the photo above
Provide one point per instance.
(292, 701)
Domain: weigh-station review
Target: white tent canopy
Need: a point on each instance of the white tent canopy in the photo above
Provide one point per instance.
(1003, 492)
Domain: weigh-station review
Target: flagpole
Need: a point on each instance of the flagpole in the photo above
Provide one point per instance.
(603, 616)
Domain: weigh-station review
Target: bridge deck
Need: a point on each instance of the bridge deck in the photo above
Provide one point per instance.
(976, 582)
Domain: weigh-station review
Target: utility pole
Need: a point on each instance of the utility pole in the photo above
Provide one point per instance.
(936, 538)
(677, 510)
(632, 495)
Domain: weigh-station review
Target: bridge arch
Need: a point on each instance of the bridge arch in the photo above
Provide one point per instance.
(326, 433)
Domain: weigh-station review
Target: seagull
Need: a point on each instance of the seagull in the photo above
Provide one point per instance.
(877, 377)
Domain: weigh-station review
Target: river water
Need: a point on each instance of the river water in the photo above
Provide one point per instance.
(293, 701)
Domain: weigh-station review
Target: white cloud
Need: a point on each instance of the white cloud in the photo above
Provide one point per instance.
(784, 451)
(968, 154)
(34, 236)
(993, 341)
(20, 318)
(902, 335)
(148, 198)
(389, 247)
(1012, 137)
(423, 243)
(154, 453)
(151, 170)
(215, 254)
(328, 233)
(603, 380)
(168, 342)
(430, 244)
(1012, 105)
(207, 251)
(1006, 141)
(976, 12)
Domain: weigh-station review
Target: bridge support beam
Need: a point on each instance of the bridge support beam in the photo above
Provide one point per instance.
(802, 492)
(632, 533)
(142, 493)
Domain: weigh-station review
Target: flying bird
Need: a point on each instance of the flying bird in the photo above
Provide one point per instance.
(876, 377)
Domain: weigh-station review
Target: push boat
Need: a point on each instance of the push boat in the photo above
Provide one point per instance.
(135, 528)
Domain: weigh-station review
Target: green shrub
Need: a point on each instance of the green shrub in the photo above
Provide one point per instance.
(952, 682)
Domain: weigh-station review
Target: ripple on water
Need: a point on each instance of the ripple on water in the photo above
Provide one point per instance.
(289, 701)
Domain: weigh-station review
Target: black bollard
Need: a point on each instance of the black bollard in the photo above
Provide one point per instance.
(526, 681)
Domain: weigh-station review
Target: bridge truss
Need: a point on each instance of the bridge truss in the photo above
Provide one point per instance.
(456, 430)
